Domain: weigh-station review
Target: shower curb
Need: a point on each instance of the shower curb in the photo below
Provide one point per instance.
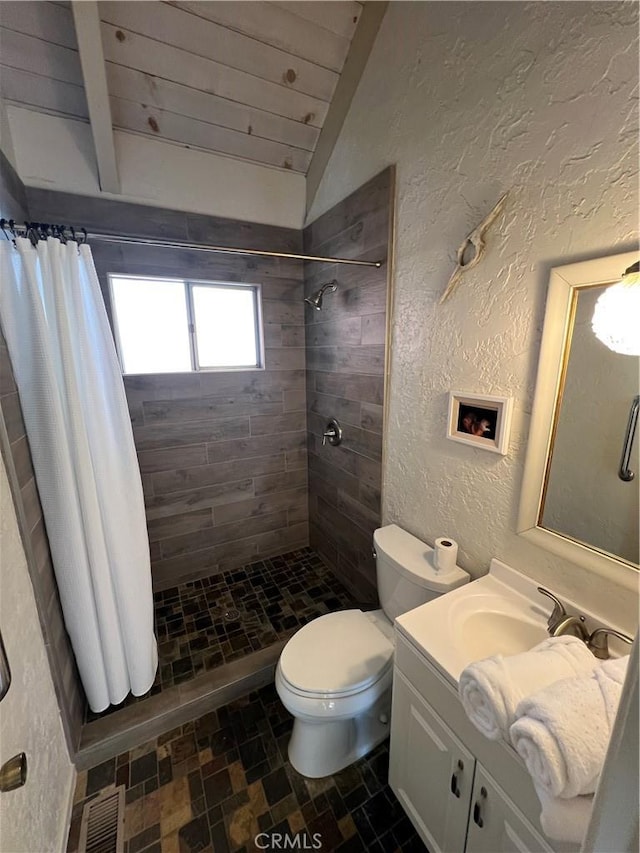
(133, 726)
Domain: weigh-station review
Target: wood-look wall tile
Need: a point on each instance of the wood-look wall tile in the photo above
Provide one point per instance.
(342, 455)
(12, 414)
(181, 480)
(369, 496)
(161, 386)
(332, 468)
(179, 524)
(250, 382)
(345, 379)
(270, 424)
(352, 509)
(295, 459)
(285, 289)
(205, 408)
(219, 231)
(284, 358)
(345, 332)
(272, 334)
(285, 313)
(31, 503)
(371, 417)
(364, 359)
(368, 297)
(272, 483)
(347, 411)
(7, 381)
(264, 505)
(366, 389)
(171, 458)
(175, 503)
(260, 445)
(157, 436)
(319, 486)
(282, 539)
(370, 197)
(369, 471)
(374, 328)
(106, 214)
(295, 401)
(292, 336)
(219, 534)
(22, 461)
(365, 443)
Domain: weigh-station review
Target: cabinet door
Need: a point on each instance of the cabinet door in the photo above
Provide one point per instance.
(496, 825)
(430, 770)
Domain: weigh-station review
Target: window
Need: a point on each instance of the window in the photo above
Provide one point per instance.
(169, 325)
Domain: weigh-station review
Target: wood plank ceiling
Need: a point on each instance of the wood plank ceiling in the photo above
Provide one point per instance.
(253, 80)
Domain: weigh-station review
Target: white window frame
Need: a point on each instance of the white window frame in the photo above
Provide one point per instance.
(189, 284)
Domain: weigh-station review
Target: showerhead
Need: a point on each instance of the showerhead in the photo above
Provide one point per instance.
(316, 300)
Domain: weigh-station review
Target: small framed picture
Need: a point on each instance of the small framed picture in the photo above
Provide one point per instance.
(480, 421)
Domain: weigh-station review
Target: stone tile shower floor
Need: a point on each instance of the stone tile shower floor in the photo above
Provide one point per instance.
(212, 785)
(205, 623)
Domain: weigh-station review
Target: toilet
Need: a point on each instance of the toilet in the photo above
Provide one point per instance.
(334, 675)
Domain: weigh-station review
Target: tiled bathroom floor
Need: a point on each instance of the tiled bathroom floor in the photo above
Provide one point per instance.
(205, 623)
(212, 785)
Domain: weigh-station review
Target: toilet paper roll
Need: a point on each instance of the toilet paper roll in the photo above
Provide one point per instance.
(446, 554)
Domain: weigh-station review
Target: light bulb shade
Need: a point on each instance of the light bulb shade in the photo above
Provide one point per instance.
(616, 318)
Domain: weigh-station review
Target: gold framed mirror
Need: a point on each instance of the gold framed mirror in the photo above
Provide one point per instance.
(574, 502)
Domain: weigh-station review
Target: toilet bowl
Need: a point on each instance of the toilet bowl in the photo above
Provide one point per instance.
(334, 675)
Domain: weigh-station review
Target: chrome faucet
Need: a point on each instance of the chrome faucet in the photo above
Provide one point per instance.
(599, 644)
(560, 622)
(558, 613)
(573, 625)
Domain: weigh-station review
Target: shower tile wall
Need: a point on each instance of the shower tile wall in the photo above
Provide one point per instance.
(17, 458)
(346, 350)
(222, 455)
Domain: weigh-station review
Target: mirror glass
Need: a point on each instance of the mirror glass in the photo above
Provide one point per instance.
(584, 497)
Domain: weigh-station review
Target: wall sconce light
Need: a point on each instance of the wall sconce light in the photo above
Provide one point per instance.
(616, 318)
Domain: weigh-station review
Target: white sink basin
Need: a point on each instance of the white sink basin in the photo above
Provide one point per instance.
(495, 632)
(501, 613)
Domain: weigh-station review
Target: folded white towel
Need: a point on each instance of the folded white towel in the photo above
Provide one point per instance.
(491, 689)
(562, 732)
(564, 820)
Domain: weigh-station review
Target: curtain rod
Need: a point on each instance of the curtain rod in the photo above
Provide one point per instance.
(38, 231)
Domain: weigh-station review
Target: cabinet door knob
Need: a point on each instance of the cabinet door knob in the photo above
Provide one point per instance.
(455, 788)
(477, 808)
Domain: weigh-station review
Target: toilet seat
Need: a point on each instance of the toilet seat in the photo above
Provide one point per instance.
(338, 655)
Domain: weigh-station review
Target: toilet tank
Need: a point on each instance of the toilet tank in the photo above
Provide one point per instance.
(406, 572)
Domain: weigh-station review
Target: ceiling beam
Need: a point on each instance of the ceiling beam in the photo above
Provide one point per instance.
(370, 19)
(87, 23)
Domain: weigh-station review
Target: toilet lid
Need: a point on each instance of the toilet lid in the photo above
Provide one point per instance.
(336, 653)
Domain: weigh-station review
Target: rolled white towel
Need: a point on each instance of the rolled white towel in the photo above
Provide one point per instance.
(491, 689)
(562, 732)
(564, 820)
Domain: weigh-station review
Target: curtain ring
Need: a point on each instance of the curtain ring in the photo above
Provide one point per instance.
(32, 233)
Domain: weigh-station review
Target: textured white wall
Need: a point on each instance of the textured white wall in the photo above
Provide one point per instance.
(469, 100)
(57, 154)
(33, 819)
(585, 496)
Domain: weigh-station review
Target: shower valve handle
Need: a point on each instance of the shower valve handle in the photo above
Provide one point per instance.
(332, 434)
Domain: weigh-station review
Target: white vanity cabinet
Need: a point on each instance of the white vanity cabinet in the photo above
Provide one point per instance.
(430, 771)
(451, 780)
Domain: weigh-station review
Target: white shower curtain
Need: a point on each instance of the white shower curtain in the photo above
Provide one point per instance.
(72, 395)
